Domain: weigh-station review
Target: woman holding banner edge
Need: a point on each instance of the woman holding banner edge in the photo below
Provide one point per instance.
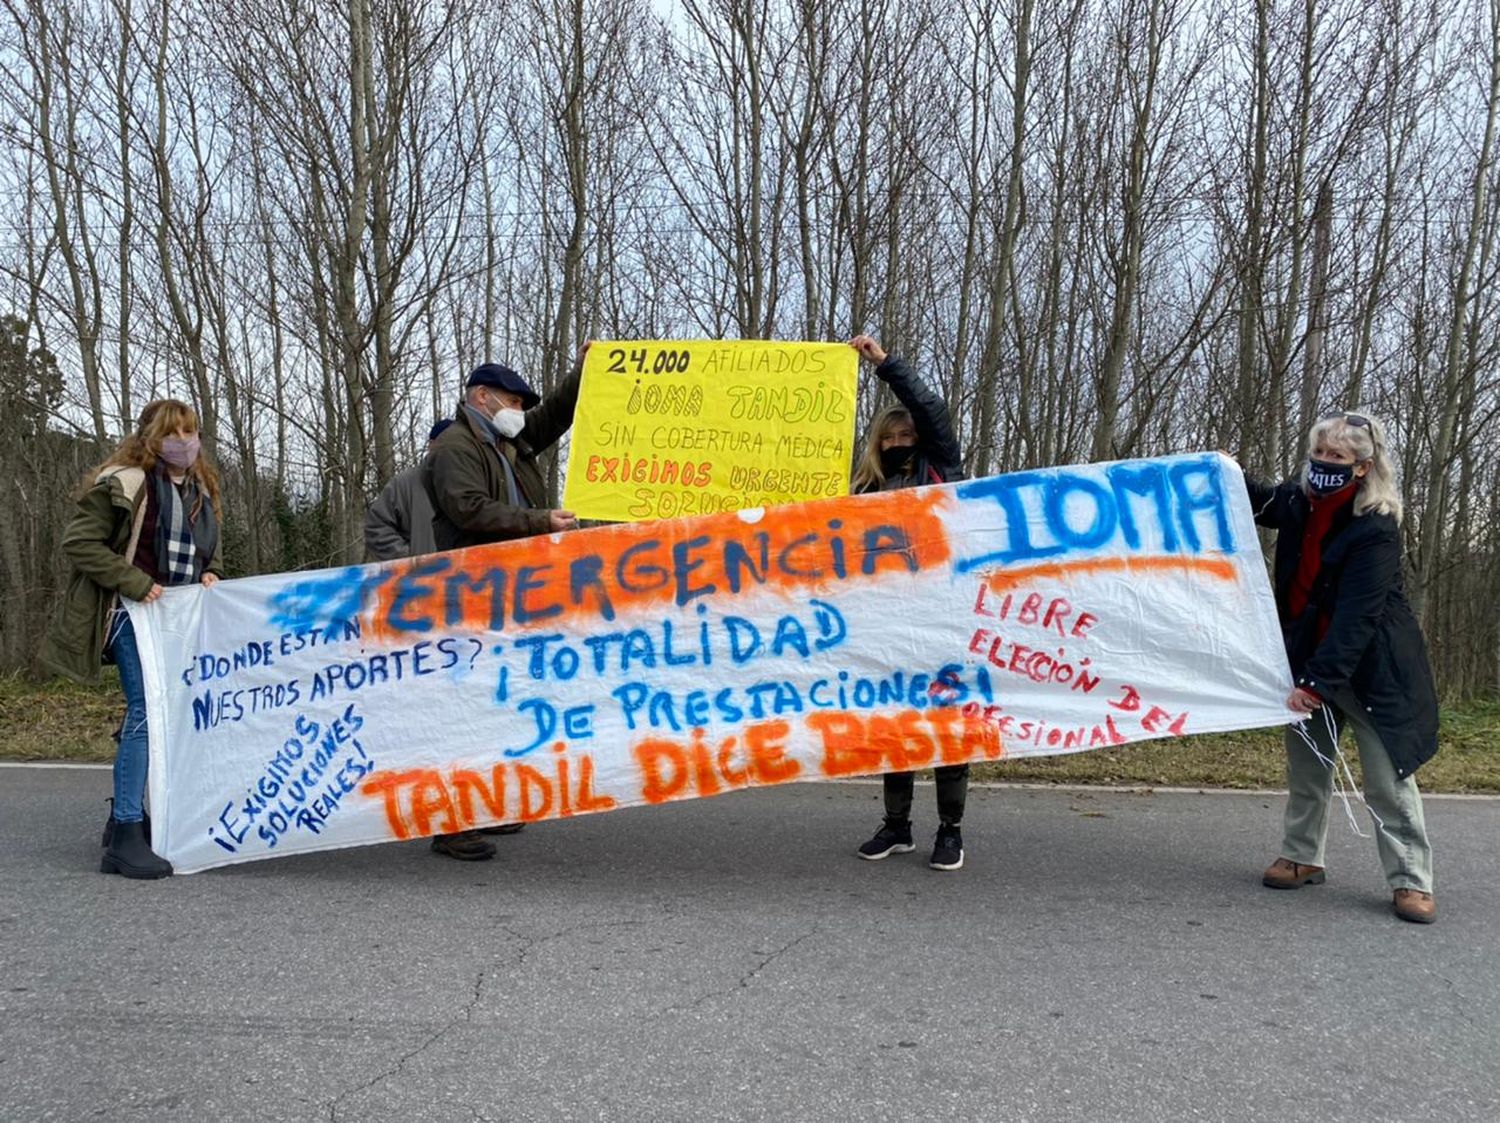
(911, 444)
(1357, 656)
(147, 518)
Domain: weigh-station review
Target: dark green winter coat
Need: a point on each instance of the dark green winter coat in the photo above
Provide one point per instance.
(100, 542)
(469, 487)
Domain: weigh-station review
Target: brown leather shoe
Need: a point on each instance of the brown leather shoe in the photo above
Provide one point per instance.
(466, 846)
(1415, 906)
(1286, 874)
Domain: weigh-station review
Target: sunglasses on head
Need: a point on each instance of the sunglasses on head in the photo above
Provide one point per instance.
(1358, 420)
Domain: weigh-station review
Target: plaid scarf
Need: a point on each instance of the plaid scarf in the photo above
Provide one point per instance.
(185, 537)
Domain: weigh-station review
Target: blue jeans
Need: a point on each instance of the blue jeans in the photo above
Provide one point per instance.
(134, 751)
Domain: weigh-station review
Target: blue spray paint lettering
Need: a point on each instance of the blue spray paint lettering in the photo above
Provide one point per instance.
(1179, 505)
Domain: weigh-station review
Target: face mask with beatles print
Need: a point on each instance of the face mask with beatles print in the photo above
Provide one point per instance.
(1325, 477)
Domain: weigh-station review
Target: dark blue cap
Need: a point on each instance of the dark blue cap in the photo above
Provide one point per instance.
(503, 378)
(437, 430)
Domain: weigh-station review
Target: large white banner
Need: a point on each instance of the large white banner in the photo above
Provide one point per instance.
(1034, 613)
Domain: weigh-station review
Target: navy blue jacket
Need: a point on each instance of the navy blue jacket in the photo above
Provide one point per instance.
(1373, 645)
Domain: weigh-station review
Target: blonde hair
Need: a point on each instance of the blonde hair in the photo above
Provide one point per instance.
(1361, 434)
(867, 473)
(160, 419)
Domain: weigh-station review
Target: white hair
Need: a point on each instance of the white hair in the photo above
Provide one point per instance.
(1361, 434)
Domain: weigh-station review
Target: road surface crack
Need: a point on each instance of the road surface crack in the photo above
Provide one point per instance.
(744, 981)
(465, 1014)
(530, 943)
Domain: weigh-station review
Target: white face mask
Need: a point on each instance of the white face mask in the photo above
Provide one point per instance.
(508, 421)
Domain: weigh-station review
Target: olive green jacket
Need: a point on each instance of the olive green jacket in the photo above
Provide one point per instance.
(100, 543)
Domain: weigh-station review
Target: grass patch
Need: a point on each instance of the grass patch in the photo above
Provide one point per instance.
(59, 720)
(1468, 759)
(63, 721)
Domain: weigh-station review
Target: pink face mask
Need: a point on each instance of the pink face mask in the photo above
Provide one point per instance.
(180, 452)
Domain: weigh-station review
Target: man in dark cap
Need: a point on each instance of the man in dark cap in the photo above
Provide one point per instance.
(482, 474)
(399, 523)
(485, 485)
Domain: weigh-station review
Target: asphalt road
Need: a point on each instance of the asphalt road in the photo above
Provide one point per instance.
(1105, 956)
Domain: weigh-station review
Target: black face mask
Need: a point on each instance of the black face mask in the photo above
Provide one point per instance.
(1324, 477)
(896, 460)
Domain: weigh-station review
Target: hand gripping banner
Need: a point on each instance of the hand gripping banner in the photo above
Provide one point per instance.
(1040, 612)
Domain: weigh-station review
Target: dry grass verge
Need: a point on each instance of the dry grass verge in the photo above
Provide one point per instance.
(64, 721)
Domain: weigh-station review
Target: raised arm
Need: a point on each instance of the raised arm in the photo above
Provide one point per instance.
(548, 421)
(929, 412)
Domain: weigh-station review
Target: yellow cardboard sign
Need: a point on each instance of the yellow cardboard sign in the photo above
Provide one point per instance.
(692, 427)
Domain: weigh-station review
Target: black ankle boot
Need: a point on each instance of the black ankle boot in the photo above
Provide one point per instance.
(129, 855)
(109, 824)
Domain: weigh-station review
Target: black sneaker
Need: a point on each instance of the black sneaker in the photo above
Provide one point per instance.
(947, 849)
(466, 846)
(891, 838)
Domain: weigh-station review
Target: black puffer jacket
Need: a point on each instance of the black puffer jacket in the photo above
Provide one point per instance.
(938, 458)
(1373, 644)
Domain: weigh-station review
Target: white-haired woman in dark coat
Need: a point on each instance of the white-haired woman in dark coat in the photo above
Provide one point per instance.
(1357, 656)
